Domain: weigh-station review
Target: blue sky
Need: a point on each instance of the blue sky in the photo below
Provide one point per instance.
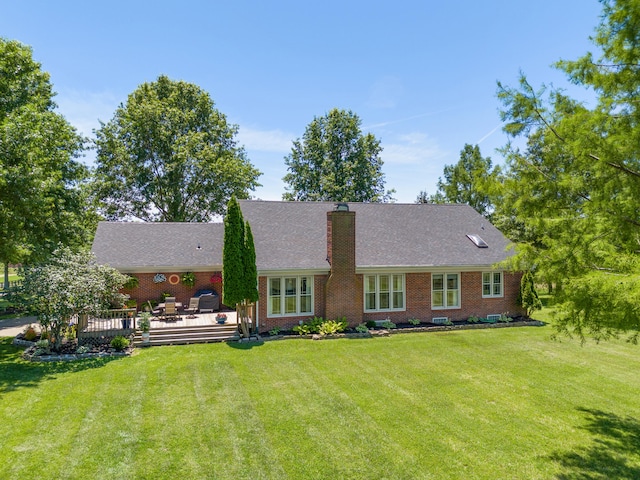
(421, 75)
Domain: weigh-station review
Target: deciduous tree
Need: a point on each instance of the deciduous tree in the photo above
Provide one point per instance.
(169, 155)
(42, 203)
(469, 181)
(69, 284)
(335, 161)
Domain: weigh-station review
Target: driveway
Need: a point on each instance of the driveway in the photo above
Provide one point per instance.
(13, 326)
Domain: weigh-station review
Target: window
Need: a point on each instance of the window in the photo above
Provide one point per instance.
(290, 296)
(383, 292)
(492, 284)
(445, 290)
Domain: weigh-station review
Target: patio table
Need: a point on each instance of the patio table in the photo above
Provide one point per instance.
(178, 305)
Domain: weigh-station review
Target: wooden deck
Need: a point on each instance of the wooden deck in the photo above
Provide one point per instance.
(200, 320)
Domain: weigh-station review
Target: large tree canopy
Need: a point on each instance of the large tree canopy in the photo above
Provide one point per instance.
(334, 161)
(469, 181)
(169, 155)
(576, 184)
(42, 203)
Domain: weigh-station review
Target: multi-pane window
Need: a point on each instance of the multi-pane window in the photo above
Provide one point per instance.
(445, 290)
(492, 284)
(290, 295)
(383, 292)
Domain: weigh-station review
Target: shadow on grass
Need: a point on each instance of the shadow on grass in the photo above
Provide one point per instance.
(245, 345)
(17, 373)
(614, 453)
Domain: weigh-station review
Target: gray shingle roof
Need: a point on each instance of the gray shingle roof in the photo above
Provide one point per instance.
(293, 236)
(135, 246)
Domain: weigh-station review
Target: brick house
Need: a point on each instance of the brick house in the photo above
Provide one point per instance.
(359, 261)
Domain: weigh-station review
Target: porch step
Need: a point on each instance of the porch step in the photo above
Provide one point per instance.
(186, 335)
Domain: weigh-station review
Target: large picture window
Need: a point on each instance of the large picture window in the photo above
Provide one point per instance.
(384, 292)
(492, 285)
(445, 290)
(290, 296)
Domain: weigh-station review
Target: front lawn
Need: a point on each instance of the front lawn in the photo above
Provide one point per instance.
(499, 403)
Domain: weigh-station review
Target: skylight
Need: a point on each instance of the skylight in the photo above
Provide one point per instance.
(478, 241)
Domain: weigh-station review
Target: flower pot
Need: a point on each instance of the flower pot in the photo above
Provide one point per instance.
(145, 337)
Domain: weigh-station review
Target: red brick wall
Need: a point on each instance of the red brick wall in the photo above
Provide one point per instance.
(418, 301)
(148, 290)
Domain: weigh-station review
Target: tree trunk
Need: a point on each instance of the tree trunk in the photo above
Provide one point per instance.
(6, 276)
(241, 308)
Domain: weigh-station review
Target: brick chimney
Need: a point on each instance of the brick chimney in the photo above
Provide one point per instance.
(343, 295)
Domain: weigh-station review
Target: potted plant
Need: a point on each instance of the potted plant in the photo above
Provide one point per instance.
(221, 318)
(188, 279)
(145, 325)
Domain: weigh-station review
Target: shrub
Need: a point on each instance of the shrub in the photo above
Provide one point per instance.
(274, 331)
(43, 347)
(70, 332)
(371, 324)
(504, 318)
(119, 343)
(362, 328)
(314, 324)
(388, 324)
(448, 323)
(331, 327)
(82, 349)
(30, 334)
(303, 329)
(473, 319)
(414, 321)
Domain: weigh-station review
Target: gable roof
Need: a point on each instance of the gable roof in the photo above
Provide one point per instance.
(137, 246)
(293, 235)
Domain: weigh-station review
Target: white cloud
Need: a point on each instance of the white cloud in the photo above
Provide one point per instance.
(275, 141)
(412, 149)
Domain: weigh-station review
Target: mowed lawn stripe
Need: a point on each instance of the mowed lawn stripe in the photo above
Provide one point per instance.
(503, 403)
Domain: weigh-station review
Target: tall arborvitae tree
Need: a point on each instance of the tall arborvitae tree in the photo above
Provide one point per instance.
(528, 296)
(250, 269)
(239, 273)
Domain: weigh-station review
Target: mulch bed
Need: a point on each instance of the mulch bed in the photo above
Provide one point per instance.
(409, 328)
(68, 350)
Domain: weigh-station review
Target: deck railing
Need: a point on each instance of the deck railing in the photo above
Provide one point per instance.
(102, 328)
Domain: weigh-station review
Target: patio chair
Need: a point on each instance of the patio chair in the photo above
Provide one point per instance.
(170, 299)
(153, 312)
(170, 311)
(193, 307)
(209, 303)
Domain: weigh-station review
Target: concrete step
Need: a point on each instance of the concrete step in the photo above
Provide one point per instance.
(186, 335)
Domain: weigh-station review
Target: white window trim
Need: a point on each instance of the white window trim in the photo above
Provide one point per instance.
(492, 284)
(283, 297)
(444, 291)
(391, 292)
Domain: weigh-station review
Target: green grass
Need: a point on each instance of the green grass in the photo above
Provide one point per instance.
(481, 404)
